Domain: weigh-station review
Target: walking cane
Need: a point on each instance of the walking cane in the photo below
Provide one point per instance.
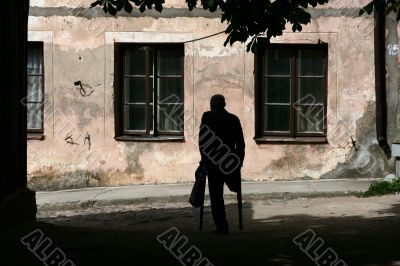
(239, 200)
(201, 216)
(202, 206)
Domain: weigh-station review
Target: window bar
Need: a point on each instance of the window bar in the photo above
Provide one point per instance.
(182, 127)
(155, 92)
(293, 98)
(325, 128)
(260, 82)
(263, 93)
(147, 108)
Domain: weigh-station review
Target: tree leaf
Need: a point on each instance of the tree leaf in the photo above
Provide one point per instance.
(191, 4)
(142, 8)
(367, 9)
(158, 7)
(111, 9)
(99, 2)
(128, 7)
(119, 4)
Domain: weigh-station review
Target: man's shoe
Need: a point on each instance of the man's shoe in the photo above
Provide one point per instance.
(221, 231)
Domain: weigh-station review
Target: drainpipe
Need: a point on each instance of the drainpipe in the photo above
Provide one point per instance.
(380, 78)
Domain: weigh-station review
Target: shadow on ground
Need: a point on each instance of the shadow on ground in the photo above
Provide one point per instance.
(129, 238)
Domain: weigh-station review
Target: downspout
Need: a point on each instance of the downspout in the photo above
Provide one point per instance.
(380, 78)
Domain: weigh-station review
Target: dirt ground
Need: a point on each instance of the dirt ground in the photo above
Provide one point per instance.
(361, 231)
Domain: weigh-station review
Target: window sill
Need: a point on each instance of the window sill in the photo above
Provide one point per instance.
(35, 136)
(151, 139)
(284, 140)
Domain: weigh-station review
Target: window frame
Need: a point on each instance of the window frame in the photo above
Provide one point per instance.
(292, 136)
(37, 45)
(119, 93)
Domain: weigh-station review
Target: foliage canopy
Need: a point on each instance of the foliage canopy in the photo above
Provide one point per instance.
(249, 18)
(245, 18)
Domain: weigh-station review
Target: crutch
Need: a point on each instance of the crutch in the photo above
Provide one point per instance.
(202, 206)
(239, 201)
(201, 216)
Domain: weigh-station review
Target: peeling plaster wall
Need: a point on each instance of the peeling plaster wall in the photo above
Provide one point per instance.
(79, 45)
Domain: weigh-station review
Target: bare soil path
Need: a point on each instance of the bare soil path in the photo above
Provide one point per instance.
(361, 231)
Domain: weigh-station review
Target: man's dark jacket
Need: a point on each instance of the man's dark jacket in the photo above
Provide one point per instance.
(225, 127)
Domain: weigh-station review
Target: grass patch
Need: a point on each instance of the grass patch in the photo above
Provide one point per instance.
(382, 188)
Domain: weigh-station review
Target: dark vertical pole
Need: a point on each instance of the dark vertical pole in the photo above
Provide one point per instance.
(119, 73)
(201, 216)
(239, 200)
(16, 202)
(380, 76)
(258, 93)
(294, 99)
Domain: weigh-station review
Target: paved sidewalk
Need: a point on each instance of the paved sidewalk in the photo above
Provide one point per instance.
(144, 192)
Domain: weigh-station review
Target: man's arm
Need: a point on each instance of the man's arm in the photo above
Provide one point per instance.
(202, 138)
(240, 146)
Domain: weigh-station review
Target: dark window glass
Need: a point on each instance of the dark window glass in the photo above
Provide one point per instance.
(277, 62)
(169, 89)
(135, 62)
(277, 118)
(135, 117)
(135, 90)
(311, 90)
(311, 62)
(277, 90)
(169, 62)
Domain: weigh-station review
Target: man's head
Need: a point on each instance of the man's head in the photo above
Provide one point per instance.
(217, 102)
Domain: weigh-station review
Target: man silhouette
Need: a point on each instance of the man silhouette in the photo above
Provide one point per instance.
(222, 147)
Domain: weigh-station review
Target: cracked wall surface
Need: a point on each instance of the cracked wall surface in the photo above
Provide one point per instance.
(79, 46)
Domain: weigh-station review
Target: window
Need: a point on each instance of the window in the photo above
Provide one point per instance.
(35, 93)
(291, 83)
(149, 88)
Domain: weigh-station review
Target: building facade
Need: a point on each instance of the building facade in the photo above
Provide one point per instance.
(118, 100)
